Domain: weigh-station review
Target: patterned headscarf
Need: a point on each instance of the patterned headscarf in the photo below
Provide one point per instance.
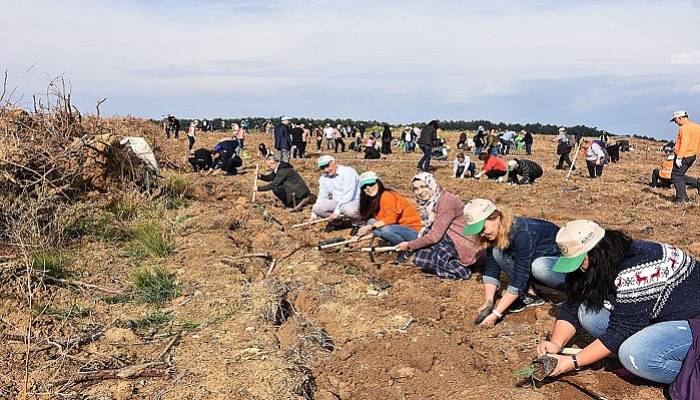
(426, 208)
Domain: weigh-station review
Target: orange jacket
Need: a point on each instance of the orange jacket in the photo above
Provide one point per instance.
(394, 209)
(688, 140)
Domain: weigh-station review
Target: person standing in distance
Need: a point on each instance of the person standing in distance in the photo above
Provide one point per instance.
(687, 146)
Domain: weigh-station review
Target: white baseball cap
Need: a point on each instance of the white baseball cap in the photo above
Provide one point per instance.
(562, 129)
(679, 114)
(512, 164)
(575, 240)
(475, 214)
(324, 160)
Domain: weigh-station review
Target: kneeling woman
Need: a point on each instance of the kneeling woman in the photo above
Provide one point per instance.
(634, 297)
(441, 248)
(524, 248)
(389, 216)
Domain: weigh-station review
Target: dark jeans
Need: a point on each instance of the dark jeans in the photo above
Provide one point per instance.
(339, 143)
(281, 193)
(424, 162)
(658, 181)
(680, 180)
(564, 158)
(494, 174)
(318, 144)
(471, 169)
(528, 149)
(594, 171)
(298, 150)
(177, 132)
(506, 146)
(190, 139)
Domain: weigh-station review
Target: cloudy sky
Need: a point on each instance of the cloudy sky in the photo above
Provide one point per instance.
(624, 66)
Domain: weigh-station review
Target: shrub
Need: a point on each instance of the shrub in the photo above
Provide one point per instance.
(126, 207)
(53, 264)
(153, 319)
(155, 286)
(151, 238)
(177, 186)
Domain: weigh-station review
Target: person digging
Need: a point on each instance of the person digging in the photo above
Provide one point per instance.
(285, 183)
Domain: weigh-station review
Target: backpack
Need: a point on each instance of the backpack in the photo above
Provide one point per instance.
(605, 150)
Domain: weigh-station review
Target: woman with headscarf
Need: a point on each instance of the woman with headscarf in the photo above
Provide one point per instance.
(441, 248)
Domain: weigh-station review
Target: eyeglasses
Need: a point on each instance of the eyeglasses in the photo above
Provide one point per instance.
(369, 185)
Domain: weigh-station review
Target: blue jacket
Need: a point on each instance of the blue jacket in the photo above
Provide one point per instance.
(529, 240)
(283, 137)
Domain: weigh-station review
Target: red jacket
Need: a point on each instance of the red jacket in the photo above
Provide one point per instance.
(495, 163)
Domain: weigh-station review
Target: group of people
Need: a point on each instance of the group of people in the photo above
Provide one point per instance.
(633, 297)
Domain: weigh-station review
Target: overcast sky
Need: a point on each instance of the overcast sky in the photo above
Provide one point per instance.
(624, 66)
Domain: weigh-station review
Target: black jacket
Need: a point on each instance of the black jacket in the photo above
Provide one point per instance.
(297, 136)
(528, 138)
(287, 177)
(479, 139)
(371, 153)
(428, 136)
(527, 169)
(201, 159)
(283, 139)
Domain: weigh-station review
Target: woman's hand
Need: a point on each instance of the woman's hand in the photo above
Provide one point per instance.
(403, 246)
(564, 364)
(547, 347)
(364, 230)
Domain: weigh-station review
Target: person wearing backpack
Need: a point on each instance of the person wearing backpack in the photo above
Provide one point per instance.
(596, 156)
(564, 147)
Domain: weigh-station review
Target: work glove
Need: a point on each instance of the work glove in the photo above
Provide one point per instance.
(678, 161)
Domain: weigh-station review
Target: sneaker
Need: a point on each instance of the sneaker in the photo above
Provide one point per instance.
(525, 302)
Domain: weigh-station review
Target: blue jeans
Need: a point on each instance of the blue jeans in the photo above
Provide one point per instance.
(394, 233)
(478, 150)
(540, 270)
(528, 149)
(655, 353)
(424, 163)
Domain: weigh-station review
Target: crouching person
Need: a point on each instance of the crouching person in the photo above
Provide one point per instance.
(389, 215)
(201, 160)
(661, 176)
(441, 248)
(636, 298)
(227, 159)
(524, 248)
(521, 172)
(338, 197)
(285, 183)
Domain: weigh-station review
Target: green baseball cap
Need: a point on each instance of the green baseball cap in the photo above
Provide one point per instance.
(475, 214)
(575, 240)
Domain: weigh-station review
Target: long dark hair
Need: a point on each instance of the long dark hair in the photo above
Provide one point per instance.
(595, 285)
(369, 206)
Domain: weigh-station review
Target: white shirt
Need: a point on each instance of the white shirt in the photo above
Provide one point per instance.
(329, 131)
(341, 187)
(594, 152)
(456, 164)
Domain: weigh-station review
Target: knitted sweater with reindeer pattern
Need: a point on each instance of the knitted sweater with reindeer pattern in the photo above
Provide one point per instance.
(655, 283)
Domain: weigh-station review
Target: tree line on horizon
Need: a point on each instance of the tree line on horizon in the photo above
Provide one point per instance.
(217, 124)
